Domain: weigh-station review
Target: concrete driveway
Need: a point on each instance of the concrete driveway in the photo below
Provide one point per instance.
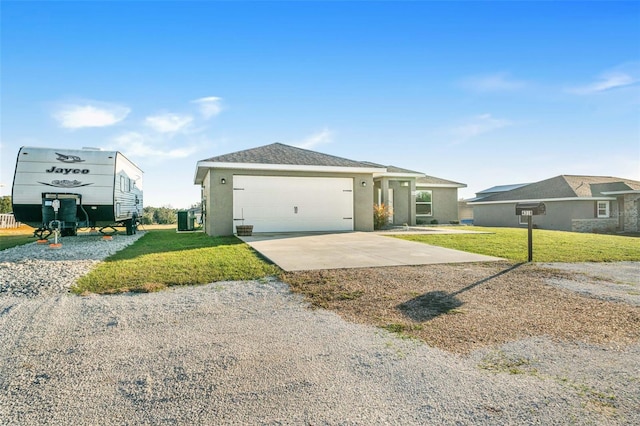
(302, 252)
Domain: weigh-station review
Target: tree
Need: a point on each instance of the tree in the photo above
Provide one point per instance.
(5, 204)
(164, 216)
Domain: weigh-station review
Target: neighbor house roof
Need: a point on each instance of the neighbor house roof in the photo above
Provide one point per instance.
(278, 156)
(564, 187)
(501, 188)
(494, 190)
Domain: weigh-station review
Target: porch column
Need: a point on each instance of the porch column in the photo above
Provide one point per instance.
(384, 185)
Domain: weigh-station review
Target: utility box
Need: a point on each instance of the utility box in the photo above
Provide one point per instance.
(185, 221)
(530, 209)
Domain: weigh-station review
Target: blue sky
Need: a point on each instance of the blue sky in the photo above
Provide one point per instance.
(484, 93)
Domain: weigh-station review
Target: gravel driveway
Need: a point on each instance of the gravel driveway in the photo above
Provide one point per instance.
(253, 353)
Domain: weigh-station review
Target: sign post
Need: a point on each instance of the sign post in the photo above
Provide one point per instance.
(529, 210)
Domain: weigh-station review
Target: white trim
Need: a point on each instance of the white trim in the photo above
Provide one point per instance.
(629, 191)
(542, 200)
(430, 203)
(203, 165)
(607, 209)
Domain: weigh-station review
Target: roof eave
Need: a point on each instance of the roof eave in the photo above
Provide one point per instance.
(628, 191)
(203, 166)
(543, 200)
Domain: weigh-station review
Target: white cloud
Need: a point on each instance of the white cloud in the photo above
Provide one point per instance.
(320, 138)
(90, 114)
(209, 106)
(499, 82)
(621, 76)
(476, 126)
(168, 123)
(135, 144)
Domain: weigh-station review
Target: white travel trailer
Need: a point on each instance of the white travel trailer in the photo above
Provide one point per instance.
(67, 189)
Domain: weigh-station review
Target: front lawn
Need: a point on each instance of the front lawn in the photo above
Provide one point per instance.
(548, 246)
(165, 258)
(11, 237)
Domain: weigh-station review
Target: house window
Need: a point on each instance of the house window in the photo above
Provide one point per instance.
(524, 220)
(424, 205)
(603, 209)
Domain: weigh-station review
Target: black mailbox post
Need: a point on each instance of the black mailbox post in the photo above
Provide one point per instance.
(529, 210)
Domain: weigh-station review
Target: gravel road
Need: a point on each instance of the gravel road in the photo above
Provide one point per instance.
(618, 281)
(253, 353)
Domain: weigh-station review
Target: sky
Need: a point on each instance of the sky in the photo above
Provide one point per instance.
(483, 93)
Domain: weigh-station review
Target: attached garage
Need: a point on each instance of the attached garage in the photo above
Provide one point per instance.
(281, 188)
(292, 204)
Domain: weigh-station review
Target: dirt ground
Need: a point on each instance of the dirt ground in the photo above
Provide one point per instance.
(465, 307)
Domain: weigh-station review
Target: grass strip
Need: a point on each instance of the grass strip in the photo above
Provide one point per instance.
(8, 241)
(548, 246)
(164, 258)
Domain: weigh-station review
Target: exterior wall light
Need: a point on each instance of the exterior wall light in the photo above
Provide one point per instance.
(363, 183)
(223, 181)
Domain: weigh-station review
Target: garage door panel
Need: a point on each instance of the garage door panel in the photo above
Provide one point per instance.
(286, 204)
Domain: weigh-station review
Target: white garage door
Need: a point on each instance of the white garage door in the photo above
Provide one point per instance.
(290, 204)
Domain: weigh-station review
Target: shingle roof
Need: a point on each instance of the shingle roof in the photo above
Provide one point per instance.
(278, 153)
(432, 180)
(566, 186)
(501, 188)
(393, 169)
(396, 169)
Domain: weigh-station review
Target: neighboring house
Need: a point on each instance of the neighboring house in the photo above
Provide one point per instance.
(495, 190)
(465, 209)
(573, 203)
(465, 212)
(281, 188)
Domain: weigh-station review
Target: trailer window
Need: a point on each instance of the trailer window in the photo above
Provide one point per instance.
(122, 183)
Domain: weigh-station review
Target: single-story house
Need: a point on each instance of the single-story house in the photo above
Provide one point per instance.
(573, 203)
(437, 200)
(281, 188)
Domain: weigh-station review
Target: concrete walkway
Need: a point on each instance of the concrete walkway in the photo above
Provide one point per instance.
(300, 252)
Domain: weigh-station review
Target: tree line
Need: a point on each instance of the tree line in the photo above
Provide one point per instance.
(166, 215)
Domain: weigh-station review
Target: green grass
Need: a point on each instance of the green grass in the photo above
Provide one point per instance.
(165, 258)
(8, 241)
(11, 237)
(548, 246)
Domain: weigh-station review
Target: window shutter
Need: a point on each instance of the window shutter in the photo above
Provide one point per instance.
(595, 209)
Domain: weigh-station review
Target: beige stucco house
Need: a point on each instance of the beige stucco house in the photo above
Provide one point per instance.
(281, 188)
(573, 203)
